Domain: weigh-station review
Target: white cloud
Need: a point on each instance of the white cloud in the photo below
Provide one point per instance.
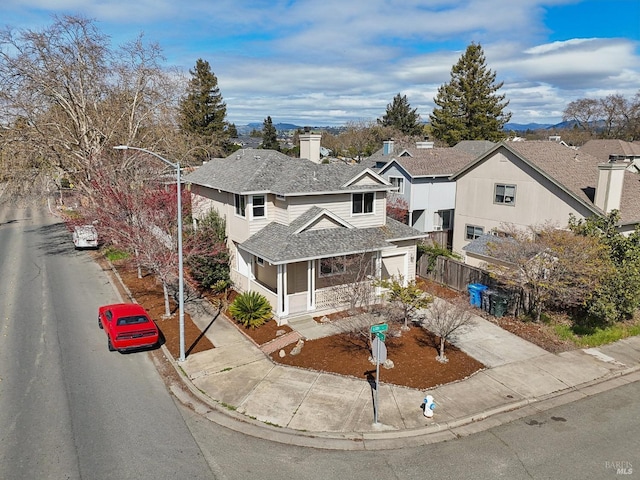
(336, 60)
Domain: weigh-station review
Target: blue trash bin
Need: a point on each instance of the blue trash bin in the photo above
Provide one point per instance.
(475, 290)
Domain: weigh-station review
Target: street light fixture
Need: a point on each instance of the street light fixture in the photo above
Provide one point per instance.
(180, 269)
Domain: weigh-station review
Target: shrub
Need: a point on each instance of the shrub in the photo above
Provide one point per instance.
(113, 254)
(221, 286)
(209, 269)
(433, 252)
(251, 309)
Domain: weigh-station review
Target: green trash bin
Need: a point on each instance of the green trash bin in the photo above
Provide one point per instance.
(499, 304)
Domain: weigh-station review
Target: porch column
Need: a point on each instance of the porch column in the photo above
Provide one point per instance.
(378, 272)
(311, 285)
(283, 298)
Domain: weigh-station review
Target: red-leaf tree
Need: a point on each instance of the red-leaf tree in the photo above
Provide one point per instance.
(139, 217)
(398, 209)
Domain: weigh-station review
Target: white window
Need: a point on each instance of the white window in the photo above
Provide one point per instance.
(332, 266)
(473, 232)
(505, 194)
(397, 182)
(443, 220)
(241, 205)
(259, 206)
(362, 202)
(260, 261)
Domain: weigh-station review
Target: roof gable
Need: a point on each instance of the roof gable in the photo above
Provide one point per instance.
(394, 163)
(280, 244)
(572, 170)
(317, 218)
(433, 162)
(366, 178)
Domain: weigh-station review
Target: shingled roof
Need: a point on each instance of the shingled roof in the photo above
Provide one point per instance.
(431, 162)
(279, 244)
(474, 147)
(258, 171)
(575, 171)
(603, 149)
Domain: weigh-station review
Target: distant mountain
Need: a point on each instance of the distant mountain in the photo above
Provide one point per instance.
(284, 127)
(280, 127)
(520, 127)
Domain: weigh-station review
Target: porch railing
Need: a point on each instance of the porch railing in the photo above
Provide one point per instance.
(339, 297)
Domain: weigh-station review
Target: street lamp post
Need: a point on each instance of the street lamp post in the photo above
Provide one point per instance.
(180, 269)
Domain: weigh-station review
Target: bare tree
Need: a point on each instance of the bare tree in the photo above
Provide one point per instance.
(613, 116)
(72, 96)
(584, 112)
(350, 279)
(445, 319)
(552, 265)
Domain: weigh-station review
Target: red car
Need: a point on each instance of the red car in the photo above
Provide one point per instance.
(128, 326)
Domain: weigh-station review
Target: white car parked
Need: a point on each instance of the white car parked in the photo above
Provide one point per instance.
(85, 236)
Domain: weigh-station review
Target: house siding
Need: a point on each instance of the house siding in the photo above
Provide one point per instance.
(537, 200)
(432, 195)
(340, 205)
(297, 277)
(424, 196)
(280, 211)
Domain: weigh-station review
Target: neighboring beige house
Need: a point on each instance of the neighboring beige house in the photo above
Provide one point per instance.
(293, 224)
(531, 183)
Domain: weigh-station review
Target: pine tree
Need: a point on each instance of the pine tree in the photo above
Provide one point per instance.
(468, 108)
(232, 131)
(269, 135)
(202, 111)
(401, 116)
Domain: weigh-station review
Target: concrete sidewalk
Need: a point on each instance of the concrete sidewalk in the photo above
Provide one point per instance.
(239, 386)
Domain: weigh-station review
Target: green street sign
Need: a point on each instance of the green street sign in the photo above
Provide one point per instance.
(380, 327)
(381, 336)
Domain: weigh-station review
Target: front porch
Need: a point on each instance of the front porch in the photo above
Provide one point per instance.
(318, 287)
(315, 301)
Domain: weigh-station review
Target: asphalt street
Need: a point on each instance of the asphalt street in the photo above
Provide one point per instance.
(69, 408)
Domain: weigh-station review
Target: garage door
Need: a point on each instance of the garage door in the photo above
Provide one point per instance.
(393, 265)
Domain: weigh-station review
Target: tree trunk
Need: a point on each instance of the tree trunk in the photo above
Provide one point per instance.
(167, 310)
(441, 347)
(135, 252)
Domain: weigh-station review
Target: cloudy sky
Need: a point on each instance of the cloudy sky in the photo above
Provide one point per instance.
(329, 62)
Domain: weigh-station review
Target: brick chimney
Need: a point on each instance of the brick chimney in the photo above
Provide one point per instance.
(310, 146)
(609, 189)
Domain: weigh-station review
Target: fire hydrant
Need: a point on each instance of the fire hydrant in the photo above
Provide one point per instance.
(429, 406)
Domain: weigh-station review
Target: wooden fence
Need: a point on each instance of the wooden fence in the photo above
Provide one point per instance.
(453, 273)
(457, 275)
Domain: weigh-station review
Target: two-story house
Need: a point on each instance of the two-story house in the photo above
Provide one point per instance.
(293, 225)
(531, 183)
(421, 174)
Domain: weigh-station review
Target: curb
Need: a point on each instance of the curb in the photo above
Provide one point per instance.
(393, 439)
(216, 412)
